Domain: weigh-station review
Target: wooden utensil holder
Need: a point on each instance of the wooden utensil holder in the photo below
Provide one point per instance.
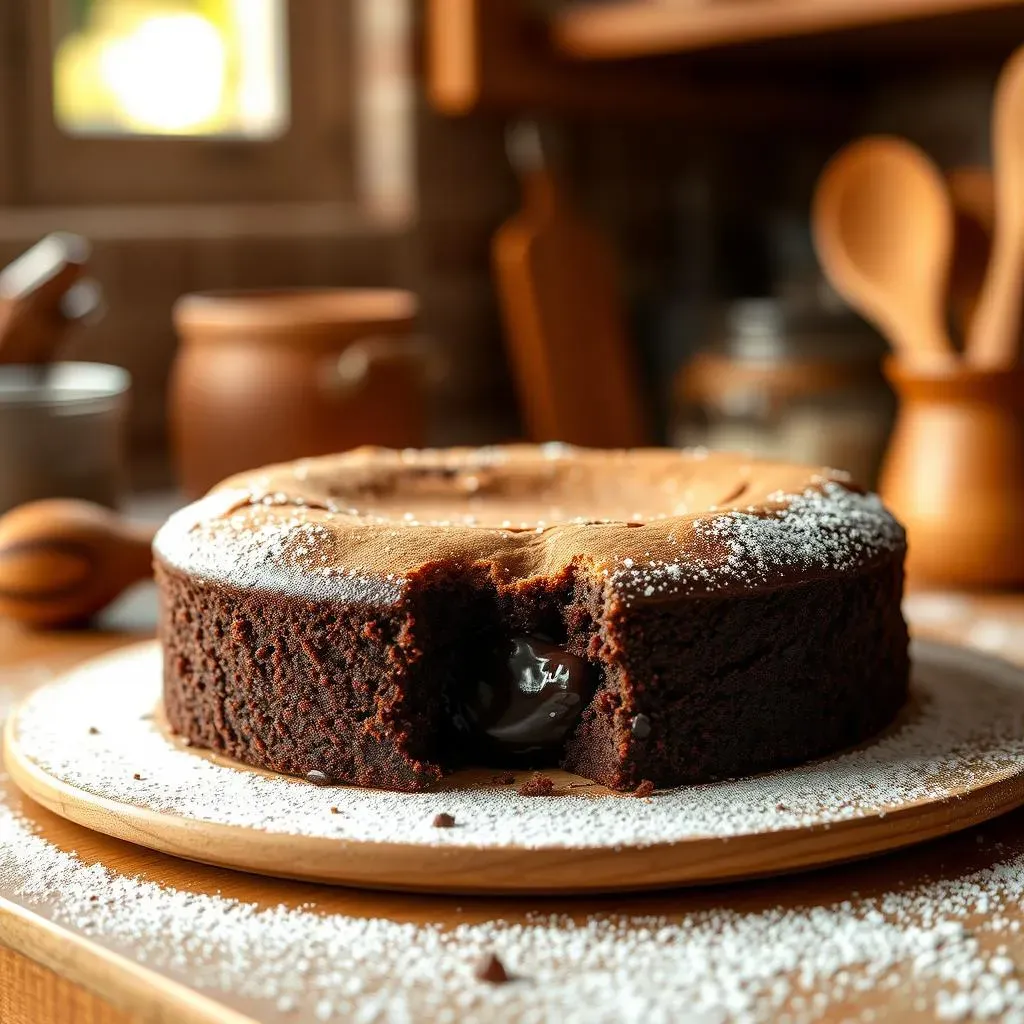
(954, 473)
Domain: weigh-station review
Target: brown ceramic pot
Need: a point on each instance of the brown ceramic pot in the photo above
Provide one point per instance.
(954, 474)
(271, 376)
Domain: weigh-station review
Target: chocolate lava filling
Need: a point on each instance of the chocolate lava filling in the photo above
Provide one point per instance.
(525, 711)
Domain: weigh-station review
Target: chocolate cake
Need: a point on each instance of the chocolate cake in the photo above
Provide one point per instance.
(643, 618)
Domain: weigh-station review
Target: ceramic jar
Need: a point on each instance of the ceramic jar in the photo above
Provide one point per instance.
(271, 376)
(790, 384)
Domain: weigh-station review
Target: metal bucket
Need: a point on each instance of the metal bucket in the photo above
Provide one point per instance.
(62, 432)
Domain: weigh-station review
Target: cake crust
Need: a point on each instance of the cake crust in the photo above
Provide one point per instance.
(332, 614)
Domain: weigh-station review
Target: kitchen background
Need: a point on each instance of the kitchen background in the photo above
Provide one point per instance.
(602, 209)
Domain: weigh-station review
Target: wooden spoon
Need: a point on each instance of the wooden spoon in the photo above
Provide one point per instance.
(883, 229)
(63, 561)
(973, 193)
(995, 339)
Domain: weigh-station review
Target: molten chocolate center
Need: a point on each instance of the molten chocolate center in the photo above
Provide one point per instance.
(533, 706)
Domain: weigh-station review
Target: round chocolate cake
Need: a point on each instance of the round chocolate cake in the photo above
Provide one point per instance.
(641, 617)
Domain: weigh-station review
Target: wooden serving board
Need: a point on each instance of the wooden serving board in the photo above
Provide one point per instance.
(89, 749)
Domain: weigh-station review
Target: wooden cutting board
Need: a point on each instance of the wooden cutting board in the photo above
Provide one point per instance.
(558, 285)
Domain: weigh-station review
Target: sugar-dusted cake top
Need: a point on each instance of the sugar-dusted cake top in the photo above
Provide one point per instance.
(654, 522)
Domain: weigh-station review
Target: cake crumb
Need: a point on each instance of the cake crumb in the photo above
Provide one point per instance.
(781, 807)
(334, 810)
(491, 969)
(538, 785)
(93, 731)
(443, 821)
(646, 788)
(137, 777)
(504, 779)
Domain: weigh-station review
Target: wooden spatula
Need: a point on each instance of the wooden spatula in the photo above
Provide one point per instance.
(558, 285)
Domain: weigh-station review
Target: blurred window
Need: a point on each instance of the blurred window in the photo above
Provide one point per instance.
(180, 101)
(170, 67)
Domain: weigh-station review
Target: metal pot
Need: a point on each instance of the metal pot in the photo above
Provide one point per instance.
(62, 432)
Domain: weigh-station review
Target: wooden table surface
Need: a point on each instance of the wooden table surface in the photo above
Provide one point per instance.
(53, 969)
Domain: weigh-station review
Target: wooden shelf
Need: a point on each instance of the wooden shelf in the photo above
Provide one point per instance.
(640, 28)
(497, 55)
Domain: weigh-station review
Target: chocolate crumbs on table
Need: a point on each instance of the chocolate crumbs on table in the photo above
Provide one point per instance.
(443, 821)
(537, 785)
(492, 970)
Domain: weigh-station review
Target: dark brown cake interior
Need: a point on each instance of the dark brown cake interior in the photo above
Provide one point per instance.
(687, 691)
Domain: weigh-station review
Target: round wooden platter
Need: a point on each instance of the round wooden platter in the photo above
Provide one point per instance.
(90, 748)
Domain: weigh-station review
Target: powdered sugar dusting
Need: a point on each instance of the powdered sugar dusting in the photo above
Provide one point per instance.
(233, 536)
(828, 529)
(963, 727)
(655, 522)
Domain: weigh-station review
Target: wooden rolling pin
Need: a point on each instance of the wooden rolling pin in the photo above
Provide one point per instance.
(62, 561)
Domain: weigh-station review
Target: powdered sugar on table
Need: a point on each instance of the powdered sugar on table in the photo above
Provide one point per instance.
(711, 964)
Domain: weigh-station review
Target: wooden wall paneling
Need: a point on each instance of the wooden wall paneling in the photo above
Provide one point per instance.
(464, 189)
(12, 142)
(385, 52)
